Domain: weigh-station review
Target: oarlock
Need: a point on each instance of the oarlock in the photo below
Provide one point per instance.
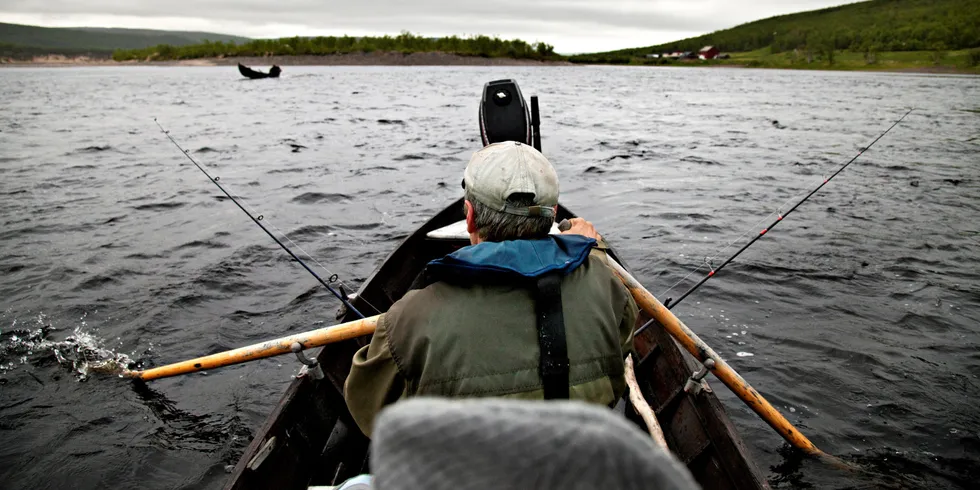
(693, 385)
(312, 367)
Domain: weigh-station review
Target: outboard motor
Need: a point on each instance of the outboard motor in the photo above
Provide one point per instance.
(504, 115)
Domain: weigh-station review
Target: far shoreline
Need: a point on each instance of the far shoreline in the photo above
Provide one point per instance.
(432, 58)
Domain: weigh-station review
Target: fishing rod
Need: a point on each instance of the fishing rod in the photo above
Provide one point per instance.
(779, 217)
(343, 299)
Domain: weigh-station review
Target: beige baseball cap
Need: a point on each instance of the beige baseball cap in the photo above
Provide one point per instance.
(502, 169)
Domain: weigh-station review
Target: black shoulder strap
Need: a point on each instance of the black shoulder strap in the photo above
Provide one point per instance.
(553, 366)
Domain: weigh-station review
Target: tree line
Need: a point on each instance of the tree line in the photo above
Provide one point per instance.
(874, 26)
(484, 46)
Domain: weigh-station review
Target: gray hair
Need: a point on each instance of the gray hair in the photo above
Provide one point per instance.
(496, 226)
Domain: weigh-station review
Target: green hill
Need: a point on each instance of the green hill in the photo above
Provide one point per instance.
(33, 40)
(875, 26)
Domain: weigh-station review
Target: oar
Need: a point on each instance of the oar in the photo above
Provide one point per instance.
(693, 344)
(646, 301)
(315, 338)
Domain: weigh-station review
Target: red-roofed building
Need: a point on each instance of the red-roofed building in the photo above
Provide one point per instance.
(708, 53)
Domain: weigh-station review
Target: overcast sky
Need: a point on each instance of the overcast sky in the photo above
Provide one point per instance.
(572, 26)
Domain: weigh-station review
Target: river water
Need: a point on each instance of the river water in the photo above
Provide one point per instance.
(857, 316)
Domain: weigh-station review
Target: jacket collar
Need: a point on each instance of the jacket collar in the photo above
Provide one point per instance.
(512, 259)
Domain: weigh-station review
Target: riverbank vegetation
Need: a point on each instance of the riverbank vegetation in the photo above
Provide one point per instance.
(490, 47)
(958, 61)
(964, 60)
(923, 35)
(878, 34)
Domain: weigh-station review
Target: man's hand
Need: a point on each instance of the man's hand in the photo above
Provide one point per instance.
(578, 226)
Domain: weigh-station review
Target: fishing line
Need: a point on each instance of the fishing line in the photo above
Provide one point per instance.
(333, 276)
(708, 260)
(714, 271)
(258, 220)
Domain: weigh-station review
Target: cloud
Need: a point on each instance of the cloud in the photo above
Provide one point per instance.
(570, 25)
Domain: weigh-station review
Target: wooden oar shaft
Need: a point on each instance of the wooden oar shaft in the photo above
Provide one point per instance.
(693, 344)
(270, 348)
(646, 301)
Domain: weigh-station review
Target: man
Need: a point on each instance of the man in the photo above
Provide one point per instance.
(519, 313)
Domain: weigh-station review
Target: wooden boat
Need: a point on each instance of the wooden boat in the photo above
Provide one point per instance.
(309, 439)
(255, 74)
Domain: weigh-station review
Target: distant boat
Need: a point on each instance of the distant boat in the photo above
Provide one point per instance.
(253, 74)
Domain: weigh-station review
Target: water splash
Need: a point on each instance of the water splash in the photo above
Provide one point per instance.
(83, 351)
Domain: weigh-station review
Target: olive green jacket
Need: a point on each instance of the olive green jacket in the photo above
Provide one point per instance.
(481, 341)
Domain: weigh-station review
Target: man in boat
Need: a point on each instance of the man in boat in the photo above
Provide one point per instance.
(520, 313)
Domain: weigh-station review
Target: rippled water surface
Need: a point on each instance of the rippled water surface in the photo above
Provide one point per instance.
(857, 316)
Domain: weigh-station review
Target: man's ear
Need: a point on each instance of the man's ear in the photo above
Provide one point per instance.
(470, 218)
